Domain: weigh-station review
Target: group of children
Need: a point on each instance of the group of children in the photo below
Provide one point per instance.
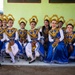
(50, 43)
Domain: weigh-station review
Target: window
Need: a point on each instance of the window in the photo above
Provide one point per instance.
(61, 1)
(24, 1)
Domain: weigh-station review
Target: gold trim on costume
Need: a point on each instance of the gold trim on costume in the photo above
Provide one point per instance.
(1, 30)
(54, 17)
(52, 33)
(23, 35)
(33, 18)
(69, 40)
(22, 20)
(33, 35)
(10, 34)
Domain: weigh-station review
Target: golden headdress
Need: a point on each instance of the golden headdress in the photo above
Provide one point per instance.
(22, 20)
(4, 17)
(61, 19)
(33, 18)
(10, 17)
(70, 21)
(54, 17)
(46, 17)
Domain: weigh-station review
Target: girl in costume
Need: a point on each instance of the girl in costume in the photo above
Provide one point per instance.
(11, 35)
(22, 32)
(44, 33)
(70, 39)
(57, 52)
(33, 34)
(4, 23)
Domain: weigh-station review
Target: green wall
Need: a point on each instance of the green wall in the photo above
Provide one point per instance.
(26, 10)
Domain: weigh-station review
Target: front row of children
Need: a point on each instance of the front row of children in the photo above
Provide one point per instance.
(52, 42)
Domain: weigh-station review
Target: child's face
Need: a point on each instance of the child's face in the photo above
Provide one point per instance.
(69, 28)
(10, 23)
(22, 25)
(60, 24)
(0, 23)
(46, 23)
(4, 22)
(32, 24)
(53, 23)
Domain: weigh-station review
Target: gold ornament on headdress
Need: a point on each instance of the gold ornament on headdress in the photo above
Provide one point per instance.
(33, 18)
(22, 20)
(46, 17)
(54, 17)
(10, 17)
(70, 21)
(61, 19)
(4, 17)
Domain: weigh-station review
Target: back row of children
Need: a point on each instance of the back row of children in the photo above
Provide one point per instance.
(51, 42)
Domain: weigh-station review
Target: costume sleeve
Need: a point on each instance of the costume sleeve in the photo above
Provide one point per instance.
(39, 36)
(3, 37)
(50, 38)
(16, 38)
(61, 35)
(29, 38)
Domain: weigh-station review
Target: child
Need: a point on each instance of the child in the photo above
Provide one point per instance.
(4, 23)
(22, 32)
(70, 39)
(44, 33)
(11, 33)
(2, 35)
(33, 33)
(57, 52)
(61, 22)
(0, 22)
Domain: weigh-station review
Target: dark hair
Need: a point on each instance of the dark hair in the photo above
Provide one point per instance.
(70, 25)
(22, 22)
(33, 21)
(47, 20)
(10, 19)
(61, 22)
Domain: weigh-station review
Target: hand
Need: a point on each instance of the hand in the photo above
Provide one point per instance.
(70, 48)
(21, 40)
(57, 40)
(46, 40)
(54, 44)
